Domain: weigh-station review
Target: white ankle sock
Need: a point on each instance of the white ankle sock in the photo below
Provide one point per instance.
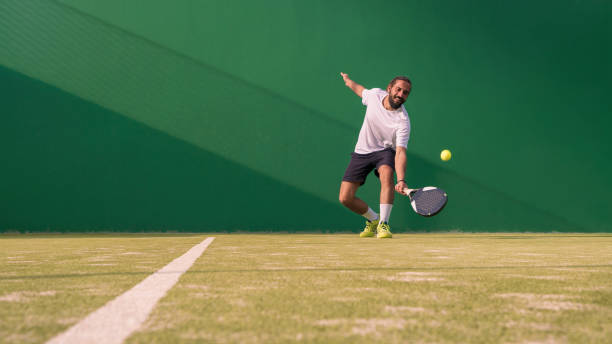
(370, 215)
(385, 212)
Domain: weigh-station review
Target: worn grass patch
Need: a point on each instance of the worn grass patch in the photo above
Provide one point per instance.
(50, 282)
(471, 288)
(342, 288)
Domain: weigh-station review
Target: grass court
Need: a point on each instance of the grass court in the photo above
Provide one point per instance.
(319, 288)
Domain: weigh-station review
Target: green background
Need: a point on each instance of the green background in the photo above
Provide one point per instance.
(231, 115)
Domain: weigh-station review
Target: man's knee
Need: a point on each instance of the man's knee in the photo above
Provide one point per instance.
(346, 199)
(347, 194)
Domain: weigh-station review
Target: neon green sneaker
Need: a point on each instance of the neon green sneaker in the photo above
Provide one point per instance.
(370, 229)
(383, 231)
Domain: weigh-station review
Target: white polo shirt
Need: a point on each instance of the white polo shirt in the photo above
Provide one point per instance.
(381, 128)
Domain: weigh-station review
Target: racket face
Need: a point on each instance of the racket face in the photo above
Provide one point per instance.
(428, 201)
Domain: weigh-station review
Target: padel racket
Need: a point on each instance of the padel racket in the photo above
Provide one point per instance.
(427, 201)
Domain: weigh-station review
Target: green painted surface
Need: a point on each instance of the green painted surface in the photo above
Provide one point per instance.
(216, 115)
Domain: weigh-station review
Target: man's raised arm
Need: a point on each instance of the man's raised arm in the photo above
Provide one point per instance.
(358, 89)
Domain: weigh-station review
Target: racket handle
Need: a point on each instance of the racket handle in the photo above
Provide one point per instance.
(407, 191)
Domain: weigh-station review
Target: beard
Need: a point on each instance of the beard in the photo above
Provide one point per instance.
(395, 104)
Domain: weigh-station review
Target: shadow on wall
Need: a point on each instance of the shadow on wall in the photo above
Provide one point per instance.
(74, 166)
(175, 94)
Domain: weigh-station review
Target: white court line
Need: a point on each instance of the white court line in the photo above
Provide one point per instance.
(116, 320)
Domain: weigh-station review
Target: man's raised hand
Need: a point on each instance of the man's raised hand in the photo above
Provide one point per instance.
(358, 89)
(346, 78)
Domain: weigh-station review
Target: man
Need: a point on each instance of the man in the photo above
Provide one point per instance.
(381, 147)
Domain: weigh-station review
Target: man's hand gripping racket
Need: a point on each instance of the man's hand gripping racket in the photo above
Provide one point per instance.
(427, 201)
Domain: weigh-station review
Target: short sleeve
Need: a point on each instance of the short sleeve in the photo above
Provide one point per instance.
(403, 133)
(367, 94)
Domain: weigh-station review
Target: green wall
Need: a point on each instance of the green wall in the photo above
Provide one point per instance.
(217, 115)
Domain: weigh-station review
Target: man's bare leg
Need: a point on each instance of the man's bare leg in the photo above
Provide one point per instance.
(387, 195)
(348, 199)
(387, 184)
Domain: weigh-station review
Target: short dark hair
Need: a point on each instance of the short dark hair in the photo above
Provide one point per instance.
(403, 78)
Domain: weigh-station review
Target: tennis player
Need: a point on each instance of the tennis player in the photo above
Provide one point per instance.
(381, 147)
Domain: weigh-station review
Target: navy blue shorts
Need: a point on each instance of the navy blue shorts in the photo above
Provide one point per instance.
(362, 164)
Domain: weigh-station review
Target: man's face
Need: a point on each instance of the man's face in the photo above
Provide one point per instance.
(398, 93)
